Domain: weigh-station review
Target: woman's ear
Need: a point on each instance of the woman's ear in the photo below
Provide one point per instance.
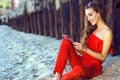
(99, 16)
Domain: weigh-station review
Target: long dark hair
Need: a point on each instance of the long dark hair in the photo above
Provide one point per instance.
(88, 28)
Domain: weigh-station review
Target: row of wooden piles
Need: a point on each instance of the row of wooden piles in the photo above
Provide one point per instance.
(67, 19)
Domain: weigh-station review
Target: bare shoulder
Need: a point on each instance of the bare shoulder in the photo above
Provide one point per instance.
(108, 32)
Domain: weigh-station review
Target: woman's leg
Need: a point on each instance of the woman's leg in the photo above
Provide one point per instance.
(81, 72)
(66, 52)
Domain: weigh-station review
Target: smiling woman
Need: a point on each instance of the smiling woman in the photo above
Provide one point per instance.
(94, 45)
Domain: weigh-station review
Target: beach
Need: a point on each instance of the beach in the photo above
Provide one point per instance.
(27, 56)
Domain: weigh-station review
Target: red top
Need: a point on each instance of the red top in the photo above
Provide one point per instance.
(94, 43)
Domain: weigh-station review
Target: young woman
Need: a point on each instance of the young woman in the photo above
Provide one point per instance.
(94, 46)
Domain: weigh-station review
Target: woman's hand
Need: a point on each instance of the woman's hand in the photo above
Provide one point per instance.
(78, 46)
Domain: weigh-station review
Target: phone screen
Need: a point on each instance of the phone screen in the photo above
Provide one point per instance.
(67, 37)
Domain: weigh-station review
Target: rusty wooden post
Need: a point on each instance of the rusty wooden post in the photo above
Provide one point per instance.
(8, 21)
(74, 20)
(45, 18)
(38, 23)
(57, 22)
(22, 23)
(65, 17)
(31, 23)
(40, 27)
(51, 18)
(34, 19)
(25, 15)
(44, 22)
(47, 23)
(116, 26)
(75, 7)
(109, 10)
(81, 14)
(11, 21)
(56, 29)
(18, 22)
(15, 22)
(27, 23)
(71, 21)
(61, 16)
(19, 18)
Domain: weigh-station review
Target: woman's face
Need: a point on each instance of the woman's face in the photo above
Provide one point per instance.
(92, 16)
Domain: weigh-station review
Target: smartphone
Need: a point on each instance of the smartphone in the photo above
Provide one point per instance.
(67, 37)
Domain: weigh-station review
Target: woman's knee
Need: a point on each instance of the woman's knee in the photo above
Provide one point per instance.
(77, 71)
(66, 42)
(75, 74)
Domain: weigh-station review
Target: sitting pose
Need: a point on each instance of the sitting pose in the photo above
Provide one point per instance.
(94, 45)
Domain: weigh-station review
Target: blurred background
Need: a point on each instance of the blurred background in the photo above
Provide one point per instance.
(56, 17)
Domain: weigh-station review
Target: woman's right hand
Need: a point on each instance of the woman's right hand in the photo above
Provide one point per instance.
(79, 46)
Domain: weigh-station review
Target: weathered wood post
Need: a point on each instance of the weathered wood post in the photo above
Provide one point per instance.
(37, 22)
(65, 17)
(34, 17)
(71, 21)
(37, 8)
(108, 11)
(44, 22)
(45, 19)
(27, 23)
(74, 20)
(18, 22)
(116, 26)
(22, 27)
(15, 22)
(41, 32)
(31, 23)
(81, 14)
(51, 18)
(57, 19)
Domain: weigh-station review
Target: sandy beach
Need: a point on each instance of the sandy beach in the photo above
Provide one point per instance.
(25, 56)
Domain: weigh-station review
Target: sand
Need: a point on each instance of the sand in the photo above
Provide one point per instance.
(25, 56)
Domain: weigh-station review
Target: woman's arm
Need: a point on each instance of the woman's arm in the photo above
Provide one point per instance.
(79, 47)
(107, 40)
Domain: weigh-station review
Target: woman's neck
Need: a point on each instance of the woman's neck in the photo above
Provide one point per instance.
(101, 24)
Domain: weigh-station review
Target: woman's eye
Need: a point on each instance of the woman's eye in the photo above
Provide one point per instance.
(90, 14)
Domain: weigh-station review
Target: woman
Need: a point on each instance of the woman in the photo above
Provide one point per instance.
(94, 46)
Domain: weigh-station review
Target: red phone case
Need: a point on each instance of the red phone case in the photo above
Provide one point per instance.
(67, 37)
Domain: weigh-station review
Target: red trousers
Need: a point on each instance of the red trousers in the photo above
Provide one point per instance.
(80, 68)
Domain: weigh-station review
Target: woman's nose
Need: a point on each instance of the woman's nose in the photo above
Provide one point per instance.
(88, 19)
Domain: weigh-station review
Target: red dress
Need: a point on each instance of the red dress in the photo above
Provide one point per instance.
(83, 67)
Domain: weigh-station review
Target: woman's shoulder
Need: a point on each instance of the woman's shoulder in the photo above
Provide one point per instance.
(108, 32)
